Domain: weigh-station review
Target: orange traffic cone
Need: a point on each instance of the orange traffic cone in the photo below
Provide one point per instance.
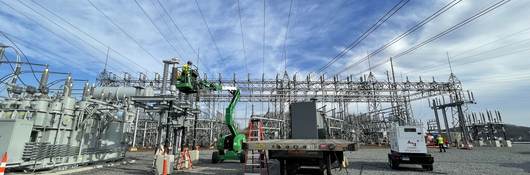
(164, 166)
(3, 164)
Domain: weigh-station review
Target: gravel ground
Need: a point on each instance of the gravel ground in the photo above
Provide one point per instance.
(142, 165)
(483, 160)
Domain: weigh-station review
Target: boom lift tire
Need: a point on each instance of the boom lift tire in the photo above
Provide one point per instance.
(243, 159)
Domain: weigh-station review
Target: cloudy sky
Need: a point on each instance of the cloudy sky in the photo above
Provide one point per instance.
(489, 54)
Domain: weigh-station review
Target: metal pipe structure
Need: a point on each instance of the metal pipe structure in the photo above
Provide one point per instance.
(438, 128)
(136, 116)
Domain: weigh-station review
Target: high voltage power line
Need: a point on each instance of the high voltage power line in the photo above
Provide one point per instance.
(46, 28)
(177, 27)
(21, 52)
(209, 31)
(404, 34)
(62, 28)
(441, 34)
(242, 36)
(124, 32)
(89, 35)
(285, 37)
(363, 36)
(458, 56)
(157, 29)
(352, 45)
(263, 39)
(471, 61)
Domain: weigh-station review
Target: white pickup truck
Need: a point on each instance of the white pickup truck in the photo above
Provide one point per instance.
(407, 146)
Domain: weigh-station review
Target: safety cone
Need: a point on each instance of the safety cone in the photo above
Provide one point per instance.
(3, 164)
(164, 166)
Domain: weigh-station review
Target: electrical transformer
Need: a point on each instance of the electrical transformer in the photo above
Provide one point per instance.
(38, 131)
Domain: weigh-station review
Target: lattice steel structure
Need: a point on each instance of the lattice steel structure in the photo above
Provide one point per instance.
(486, 126)
(388, 101)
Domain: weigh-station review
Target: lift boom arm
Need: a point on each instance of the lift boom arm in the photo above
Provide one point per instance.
(229, 114)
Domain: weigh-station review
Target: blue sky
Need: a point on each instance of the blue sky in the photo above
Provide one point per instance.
(490, 54)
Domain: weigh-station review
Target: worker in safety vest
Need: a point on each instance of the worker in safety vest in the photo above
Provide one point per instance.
(440, 141)
(186, 68)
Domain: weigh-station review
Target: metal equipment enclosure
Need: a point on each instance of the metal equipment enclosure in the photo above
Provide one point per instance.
(407, 146)
(304, 120)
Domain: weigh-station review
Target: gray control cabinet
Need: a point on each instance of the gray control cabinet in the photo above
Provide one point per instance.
(303, 120)
(13, 136)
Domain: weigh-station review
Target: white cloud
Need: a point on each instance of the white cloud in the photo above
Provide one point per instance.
(317, 32)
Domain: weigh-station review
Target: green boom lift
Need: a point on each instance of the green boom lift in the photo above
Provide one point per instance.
(229, 147)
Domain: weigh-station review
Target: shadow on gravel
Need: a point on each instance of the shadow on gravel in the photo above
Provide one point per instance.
(383, 166)
(526, 152)
(125, 170)
(525, 166)
(218, 168)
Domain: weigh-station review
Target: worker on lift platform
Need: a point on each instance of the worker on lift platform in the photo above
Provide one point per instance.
(188, 81)
(186, 68)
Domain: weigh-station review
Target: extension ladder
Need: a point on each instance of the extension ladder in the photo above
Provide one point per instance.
(256, 160)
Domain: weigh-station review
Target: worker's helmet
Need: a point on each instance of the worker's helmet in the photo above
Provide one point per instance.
(190, 63)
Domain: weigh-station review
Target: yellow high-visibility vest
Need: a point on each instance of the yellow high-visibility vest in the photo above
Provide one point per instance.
(440, 140)
(185, 69)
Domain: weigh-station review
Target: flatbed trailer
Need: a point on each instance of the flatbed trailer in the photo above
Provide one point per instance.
(299, 155)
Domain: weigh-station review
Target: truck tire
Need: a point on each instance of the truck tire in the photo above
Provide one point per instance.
(215, 157)
(291, 166)
(428, 167)
(393, 164)
(328, 164)
(282, 167)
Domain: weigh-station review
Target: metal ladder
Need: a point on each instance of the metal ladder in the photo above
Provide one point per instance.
(256, 160)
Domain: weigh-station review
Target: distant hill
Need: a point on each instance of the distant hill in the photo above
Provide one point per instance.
(517, 133)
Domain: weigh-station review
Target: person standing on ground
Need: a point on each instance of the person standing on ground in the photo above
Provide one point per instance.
(440, 141)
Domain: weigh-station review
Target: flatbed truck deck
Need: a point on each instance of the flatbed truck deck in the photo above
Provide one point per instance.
(299, 155)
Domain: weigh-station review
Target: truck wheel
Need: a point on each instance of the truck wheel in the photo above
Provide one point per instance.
(427, 167)
(215, 157)
(291, 166)
(328, 165)
(393, 164)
